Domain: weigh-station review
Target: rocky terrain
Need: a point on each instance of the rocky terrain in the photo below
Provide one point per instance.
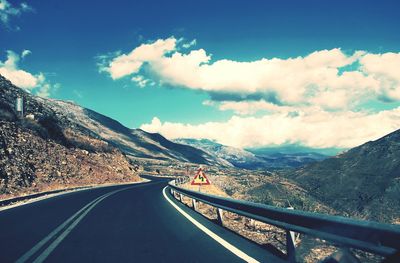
(363, 182)
(42, 152)
(271, 189)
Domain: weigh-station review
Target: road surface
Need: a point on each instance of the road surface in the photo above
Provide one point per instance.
(124, 223)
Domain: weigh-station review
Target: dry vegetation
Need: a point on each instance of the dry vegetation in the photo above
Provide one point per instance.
(30, 163)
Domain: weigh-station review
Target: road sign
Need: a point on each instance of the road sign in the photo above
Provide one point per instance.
(200, 178)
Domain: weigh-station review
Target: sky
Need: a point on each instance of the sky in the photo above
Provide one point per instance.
(320, 74)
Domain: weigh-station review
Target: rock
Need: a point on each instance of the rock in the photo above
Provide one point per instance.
(30, 117)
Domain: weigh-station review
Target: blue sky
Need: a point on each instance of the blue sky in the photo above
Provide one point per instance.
(67, 39)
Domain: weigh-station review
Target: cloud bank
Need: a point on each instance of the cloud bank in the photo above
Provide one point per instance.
(312, 100)
(35, 83)
(310, 80)
(312, 128)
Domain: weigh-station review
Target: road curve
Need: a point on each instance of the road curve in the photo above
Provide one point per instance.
(125, 223)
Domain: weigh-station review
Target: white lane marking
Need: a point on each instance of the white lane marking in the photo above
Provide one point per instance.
(60, 238)
(41, 243)
(214, 236)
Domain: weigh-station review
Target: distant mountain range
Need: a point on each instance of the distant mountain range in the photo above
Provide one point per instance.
(261, 158)
(295, 148)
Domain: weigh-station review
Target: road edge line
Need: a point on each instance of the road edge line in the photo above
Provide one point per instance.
(239, 253)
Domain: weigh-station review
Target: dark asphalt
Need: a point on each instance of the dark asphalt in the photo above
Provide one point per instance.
(133, 225)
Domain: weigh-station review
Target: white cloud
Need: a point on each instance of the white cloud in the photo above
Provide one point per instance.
(385, 68)
(127, 64)
(36, 84)
(142, 82)
(18, 77)
(251, 107)
(310, 127)
(25, 53)
(190, 44)
(310, 80)
(7, 11)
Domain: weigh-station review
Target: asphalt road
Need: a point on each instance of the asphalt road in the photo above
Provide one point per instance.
(125, 223)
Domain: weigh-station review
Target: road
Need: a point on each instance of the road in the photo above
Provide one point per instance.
(124, 223)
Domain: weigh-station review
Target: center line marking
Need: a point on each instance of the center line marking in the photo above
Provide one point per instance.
(78, 215)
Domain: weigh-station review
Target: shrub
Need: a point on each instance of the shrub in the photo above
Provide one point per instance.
(6, 112)
(54, 131)
(6, 115)
(35, 127)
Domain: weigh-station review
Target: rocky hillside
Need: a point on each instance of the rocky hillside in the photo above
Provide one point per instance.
(133, 142)
(363, 182)
(42, 152)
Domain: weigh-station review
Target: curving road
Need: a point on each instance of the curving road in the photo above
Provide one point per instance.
(125, 223)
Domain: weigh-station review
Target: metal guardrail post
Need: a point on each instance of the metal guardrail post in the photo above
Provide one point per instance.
(290, 247)
(194, 204)
(220, 217)
(290, 244)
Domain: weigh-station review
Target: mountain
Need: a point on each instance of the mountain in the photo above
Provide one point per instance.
(363, 182)
(262, 158)
(295, 148)
(58, 144)
(133, 142)
(284, 157)
(41, 152)
(230, 155)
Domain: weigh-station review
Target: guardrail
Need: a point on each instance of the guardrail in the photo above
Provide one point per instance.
(376, 238)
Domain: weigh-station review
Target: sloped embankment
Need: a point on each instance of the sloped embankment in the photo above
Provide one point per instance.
(41, 154)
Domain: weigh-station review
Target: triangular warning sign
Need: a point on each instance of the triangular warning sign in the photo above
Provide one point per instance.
(200, 178)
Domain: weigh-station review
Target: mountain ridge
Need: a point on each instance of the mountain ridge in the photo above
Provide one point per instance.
(252, 159)
(363, 181)
(133, 142)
